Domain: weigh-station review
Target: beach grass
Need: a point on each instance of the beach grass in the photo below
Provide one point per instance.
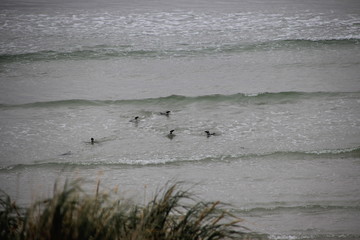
(72, 213)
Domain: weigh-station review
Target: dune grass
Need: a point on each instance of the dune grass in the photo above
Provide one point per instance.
(73, 214)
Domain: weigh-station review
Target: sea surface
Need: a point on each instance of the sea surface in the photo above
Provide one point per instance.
(277, 81)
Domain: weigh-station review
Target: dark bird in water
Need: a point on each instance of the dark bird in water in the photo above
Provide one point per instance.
(171, 135)
(92, 140)
(135, 119)
(167, 113)
(208, 134)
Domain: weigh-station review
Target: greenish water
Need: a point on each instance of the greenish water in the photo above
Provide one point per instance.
(276, 81)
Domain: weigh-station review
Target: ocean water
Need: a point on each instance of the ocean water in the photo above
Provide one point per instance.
(277, 81)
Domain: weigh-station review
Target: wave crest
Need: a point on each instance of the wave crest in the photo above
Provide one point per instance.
(241, 98)
(290, 155)
(102, 52)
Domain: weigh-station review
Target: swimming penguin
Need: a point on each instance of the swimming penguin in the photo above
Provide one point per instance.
(167, 113)
(135, 119)
(208, 134)
(171, 135)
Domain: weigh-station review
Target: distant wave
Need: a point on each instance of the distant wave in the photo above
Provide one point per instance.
(303, 208)
(241, 98)
(312, 236)
(64, 162)
(108, 52)
(294, 155)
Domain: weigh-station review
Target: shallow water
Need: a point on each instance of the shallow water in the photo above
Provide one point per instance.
(278, 82)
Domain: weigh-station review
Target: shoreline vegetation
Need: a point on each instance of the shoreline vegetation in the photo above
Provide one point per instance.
(71, 214)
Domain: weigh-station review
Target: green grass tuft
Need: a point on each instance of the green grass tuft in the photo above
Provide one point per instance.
(71, 214)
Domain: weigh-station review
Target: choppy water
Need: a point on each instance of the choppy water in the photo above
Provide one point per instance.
(277, 81)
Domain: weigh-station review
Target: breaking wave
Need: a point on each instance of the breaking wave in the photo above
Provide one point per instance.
(101, 52)
(256, 98)
(65, 160)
